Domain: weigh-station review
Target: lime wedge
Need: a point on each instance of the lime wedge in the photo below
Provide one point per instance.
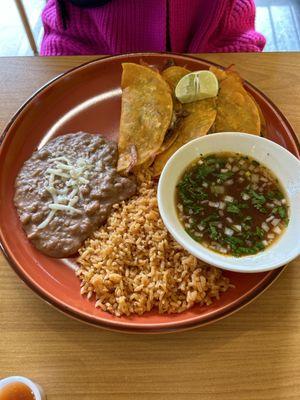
(197, 85)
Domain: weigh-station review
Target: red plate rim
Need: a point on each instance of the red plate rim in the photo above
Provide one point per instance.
(167, 327)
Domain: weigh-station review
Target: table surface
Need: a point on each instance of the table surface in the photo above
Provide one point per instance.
(252, 355)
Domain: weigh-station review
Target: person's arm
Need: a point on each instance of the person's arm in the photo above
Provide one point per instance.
(236, 32)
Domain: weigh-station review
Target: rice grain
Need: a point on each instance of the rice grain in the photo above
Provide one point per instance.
(132, 264)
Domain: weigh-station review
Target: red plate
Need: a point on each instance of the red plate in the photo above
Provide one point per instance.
(88, 98)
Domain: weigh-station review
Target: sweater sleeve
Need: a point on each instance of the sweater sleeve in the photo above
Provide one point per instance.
(236, 30)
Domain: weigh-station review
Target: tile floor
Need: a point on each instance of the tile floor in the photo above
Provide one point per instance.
(278, 20)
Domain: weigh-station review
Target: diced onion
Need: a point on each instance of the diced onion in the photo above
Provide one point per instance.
(222, 205)
(229, 220)
(228, 231)
(228, 199)
(277, 230)
(265, 227)
(265, 243)
(223, 170)
(237, 227)
(271, 236)
(283, 201)
(205, 184)
(275, 221)
(245, 196)
(270, 218)
(222, 250)
(229, 182)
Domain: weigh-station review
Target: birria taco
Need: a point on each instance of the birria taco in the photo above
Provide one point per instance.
(146, 114)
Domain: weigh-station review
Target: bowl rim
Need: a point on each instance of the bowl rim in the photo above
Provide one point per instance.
(138, 327)
(198, 250)
(35, 388)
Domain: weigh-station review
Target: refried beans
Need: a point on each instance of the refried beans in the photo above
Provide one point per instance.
(66, 190)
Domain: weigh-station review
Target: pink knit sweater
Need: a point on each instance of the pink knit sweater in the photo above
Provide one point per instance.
(123, 26)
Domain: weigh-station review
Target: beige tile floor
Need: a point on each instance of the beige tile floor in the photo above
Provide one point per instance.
(278, 20)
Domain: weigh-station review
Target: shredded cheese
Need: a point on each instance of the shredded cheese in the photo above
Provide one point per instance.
(62, 207)
(47, 220)
(63, 184)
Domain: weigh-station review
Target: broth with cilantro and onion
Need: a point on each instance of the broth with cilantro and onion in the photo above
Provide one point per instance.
(231, 204)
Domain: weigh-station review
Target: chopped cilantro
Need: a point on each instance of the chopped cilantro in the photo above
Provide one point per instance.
(224, 176)
(274, 194)
(213, 232)
(282, 212)
(211, 218)
(232, 208)
(233, 242)
(240, 251)
(259, 232)
(259, 198)
(203, 171)
(258, 201)
(202, 182)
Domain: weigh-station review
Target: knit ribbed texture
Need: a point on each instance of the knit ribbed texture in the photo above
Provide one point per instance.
(140, 25)
(235, 32)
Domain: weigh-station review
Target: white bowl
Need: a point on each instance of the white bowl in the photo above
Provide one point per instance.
(34, 387)
(280, 161)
